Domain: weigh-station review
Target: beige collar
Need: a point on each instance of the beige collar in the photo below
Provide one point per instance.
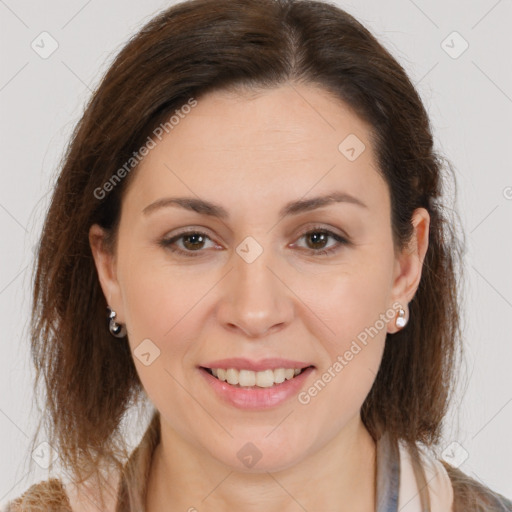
(438, 481)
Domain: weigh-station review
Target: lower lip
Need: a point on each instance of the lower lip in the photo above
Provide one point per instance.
(257, 398)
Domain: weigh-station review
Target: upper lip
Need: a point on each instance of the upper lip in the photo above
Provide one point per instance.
(240, 363)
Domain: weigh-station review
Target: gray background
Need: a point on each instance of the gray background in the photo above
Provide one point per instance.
(468, 96)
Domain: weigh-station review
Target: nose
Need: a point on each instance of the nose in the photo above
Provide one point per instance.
(255, 299)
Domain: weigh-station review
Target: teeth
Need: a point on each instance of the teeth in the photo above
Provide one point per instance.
(248, 378)
(232, 376)
(279, 375)
(264, 379)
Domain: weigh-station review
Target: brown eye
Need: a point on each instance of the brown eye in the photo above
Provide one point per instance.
(191, 243)
(316, 240)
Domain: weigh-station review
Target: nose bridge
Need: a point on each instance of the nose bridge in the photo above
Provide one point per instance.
(255, 301)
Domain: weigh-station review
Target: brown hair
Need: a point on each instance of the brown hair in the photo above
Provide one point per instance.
(192, 48)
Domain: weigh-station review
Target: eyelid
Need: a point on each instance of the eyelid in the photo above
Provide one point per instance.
(327, 229)
(168, 241)
(341, 240)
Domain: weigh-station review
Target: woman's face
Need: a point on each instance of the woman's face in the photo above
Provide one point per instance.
(278, 255)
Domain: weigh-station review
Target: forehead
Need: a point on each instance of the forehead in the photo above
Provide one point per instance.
(278, 142)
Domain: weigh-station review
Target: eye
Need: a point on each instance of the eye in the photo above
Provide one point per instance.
(192, 243)
(319, 237)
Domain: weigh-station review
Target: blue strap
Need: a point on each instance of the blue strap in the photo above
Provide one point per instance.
(388, 475)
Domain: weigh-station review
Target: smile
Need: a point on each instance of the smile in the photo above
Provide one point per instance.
(254, 379)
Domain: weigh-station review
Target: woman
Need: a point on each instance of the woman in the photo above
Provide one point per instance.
(248, 232)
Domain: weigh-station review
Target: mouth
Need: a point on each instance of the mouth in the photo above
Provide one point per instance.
(250, 379)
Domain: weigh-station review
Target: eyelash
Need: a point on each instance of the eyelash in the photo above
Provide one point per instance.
(168, 242)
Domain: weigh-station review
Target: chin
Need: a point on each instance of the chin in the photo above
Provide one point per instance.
(261, 455)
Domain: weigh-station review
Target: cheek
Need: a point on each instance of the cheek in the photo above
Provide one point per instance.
(161, 315)
(352, 347)
(352, 315)
(352, 302)
(156, 295)
(161, 306)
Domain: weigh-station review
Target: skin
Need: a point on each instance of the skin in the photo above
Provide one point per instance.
(253, 152)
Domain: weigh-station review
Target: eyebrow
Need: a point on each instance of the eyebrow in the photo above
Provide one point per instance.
(215, 210)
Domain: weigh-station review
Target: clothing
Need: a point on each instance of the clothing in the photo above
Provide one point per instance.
(398, 490)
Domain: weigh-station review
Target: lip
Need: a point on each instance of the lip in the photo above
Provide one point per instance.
(256, 398)
(240, 363)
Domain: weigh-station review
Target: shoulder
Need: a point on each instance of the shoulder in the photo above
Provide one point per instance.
(40, 497)
(448, 487)
(55, 495)
(472, 496)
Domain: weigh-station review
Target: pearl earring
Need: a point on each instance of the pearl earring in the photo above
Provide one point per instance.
(401, 320)
(117, 330)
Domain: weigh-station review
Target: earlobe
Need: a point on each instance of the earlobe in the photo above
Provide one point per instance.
(105, 262)
(409, 265)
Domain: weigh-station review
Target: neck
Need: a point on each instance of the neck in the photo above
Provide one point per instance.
(341, 476)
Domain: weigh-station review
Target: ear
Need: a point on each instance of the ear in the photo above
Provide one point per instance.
(409, 264)
(105, 261)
